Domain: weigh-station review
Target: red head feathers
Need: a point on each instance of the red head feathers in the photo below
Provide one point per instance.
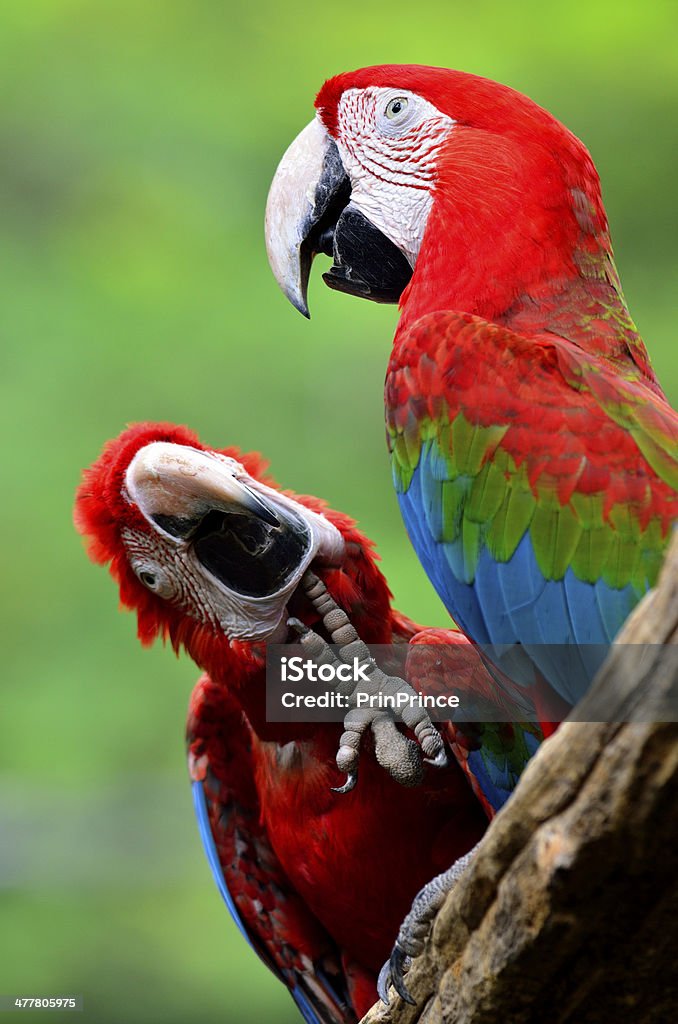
(208, 551)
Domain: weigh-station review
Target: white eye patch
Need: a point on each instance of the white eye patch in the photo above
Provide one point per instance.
(398, 113)
(389, 141)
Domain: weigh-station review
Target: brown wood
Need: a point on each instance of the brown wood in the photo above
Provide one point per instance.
(569, 912)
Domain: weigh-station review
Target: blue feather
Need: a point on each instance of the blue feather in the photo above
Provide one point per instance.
(296, 991)
(202, 814)
(614, 607)
(565, 626)
(497, 780)
(305, 1008)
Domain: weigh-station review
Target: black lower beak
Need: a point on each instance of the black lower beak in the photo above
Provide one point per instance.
(249, 556)
(366, 262)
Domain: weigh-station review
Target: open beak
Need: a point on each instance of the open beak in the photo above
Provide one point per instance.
(254, 541)
(309, 211)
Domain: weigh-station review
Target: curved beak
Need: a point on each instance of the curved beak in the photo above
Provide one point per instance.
(175, 487)
(309, 211)
(251, 539)
(308, 192)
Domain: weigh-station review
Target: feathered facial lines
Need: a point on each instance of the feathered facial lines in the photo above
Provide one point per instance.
(389, 147)
(389, 141)
(200, 537)
(392, 132)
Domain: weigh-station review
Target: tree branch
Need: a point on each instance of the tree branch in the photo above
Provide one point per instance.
(569, 912)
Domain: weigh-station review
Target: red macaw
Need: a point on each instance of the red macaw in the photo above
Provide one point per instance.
(534, 455)
(210, 555)
(533, 452)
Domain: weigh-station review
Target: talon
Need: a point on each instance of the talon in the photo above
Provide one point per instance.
(351, 780)
(383, 982)
(298, 626)
(398, 964)
(439, 761)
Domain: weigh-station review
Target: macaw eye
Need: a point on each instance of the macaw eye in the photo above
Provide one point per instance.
(154, 578)
(396, 107)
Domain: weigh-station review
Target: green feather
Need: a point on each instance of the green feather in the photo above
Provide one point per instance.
(487, 494)
(471, 544)
(592, 553)
(555, 533)
(472, 444)
(663, 459)
(622, 559)
(513, 518)
(455, 493)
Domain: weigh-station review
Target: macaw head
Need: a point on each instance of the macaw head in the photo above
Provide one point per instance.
(203, 545)
(459, 183)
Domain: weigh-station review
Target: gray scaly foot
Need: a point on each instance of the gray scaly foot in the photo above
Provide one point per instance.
(415, 929)
(400, 756)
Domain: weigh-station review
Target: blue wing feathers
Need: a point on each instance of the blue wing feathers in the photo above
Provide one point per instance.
(202, 814)
(306, 1008)
(614, 606)
(497, 779)
(565, 625)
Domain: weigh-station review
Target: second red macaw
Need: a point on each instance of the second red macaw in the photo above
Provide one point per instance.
(210, 554)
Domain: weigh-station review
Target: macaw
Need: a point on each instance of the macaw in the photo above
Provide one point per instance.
(210, 554)
(533, 452)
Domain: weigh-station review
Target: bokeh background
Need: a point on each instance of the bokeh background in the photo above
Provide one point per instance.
(137, 144)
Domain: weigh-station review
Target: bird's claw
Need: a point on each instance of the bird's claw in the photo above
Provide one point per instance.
(383, 982)
(393, 973)
(351, 780)
(439, 761)
(415, 929)
(401, 757)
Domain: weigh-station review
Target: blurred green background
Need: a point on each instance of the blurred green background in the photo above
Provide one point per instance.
(138, 142)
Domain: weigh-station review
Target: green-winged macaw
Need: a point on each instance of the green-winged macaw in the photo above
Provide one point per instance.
(211, 554)
(534, 454)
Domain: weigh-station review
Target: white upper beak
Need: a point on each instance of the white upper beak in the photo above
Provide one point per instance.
(301, 191)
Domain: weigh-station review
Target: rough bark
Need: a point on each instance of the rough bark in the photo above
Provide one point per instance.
(569, 912)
